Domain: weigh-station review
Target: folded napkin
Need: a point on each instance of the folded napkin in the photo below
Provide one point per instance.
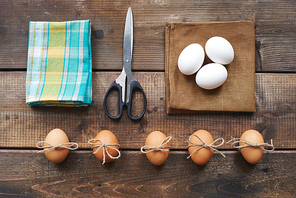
(59, 64)
(237, 94)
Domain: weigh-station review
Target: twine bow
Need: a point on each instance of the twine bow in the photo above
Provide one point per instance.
(161, 147)
(205, 145)
(100, 145)
(69, 146)
(251, 144)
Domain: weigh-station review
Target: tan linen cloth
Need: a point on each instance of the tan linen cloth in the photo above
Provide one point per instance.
(237, 94)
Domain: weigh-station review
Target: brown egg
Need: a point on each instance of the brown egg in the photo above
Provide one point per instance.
(107, 137)
(56, 137)
(251, 154)
(202, 156)
(154, 139)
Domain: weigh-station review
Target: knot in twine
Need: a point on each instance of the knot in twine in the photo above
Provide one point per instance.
(251, 144)
(69, 146)
(205, 145)
(161, 147)
(100, 145)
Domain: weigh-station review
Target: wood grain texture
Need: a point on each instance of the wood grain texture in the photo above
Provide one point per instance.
(274, 28)
(132, 175)
(26, 173)
(23, 126)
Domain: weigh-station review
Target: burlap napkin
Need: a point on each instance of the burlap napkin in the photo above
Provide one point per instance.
(237, 94)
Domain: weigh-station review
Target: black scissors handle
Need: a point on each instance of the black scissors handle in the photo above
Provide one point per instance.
(135, 85)
(113, 86)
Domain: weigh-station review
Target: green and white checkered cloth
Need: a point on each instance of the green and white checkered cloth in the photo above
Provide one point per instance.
(59, 64)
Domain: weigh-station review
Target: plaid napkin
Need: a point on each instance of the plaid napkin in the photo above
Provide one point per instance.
(59, 64)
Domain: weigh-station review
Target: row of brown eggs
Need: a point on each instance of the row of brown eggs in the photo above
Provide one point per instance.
(156, 147)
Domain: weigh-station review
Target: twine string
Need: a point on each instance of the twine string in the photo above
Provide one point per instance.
(233, 141)
(160, 147)
(69, 146)
(205, 145)
(100, 145)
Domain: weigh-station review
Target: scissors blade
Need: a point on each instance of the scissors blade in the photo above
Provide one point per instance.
(128, 42)
(121, 81)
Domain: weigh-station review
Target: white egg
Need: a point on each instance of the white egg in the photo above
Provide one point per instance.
(191, 59)
(211, 76)
(219, 50)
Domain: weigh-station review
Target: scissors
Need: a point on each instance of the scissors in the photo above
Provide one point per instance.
(126, 83)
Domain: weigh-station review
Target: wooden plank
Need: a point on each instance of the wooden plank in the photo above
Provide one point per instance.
(23, 126)
(274, 21)
(132, 175)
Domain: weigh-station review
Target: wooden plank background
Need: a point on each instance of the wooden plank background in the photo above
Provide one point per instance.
(24, 172)
(274, 26)
(133, 176)
(23, 126)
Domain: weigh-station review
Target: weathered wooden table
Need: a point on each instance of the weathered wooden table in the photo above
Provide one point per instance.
(24, 172)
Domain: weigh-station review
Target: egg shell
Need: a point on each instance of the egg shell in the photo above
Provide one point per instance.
(56, 137)
(154, 139)
(191, 59)
(251, 154)
(107, 137)
(211, 76)
(202, 156)
(219, 50)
